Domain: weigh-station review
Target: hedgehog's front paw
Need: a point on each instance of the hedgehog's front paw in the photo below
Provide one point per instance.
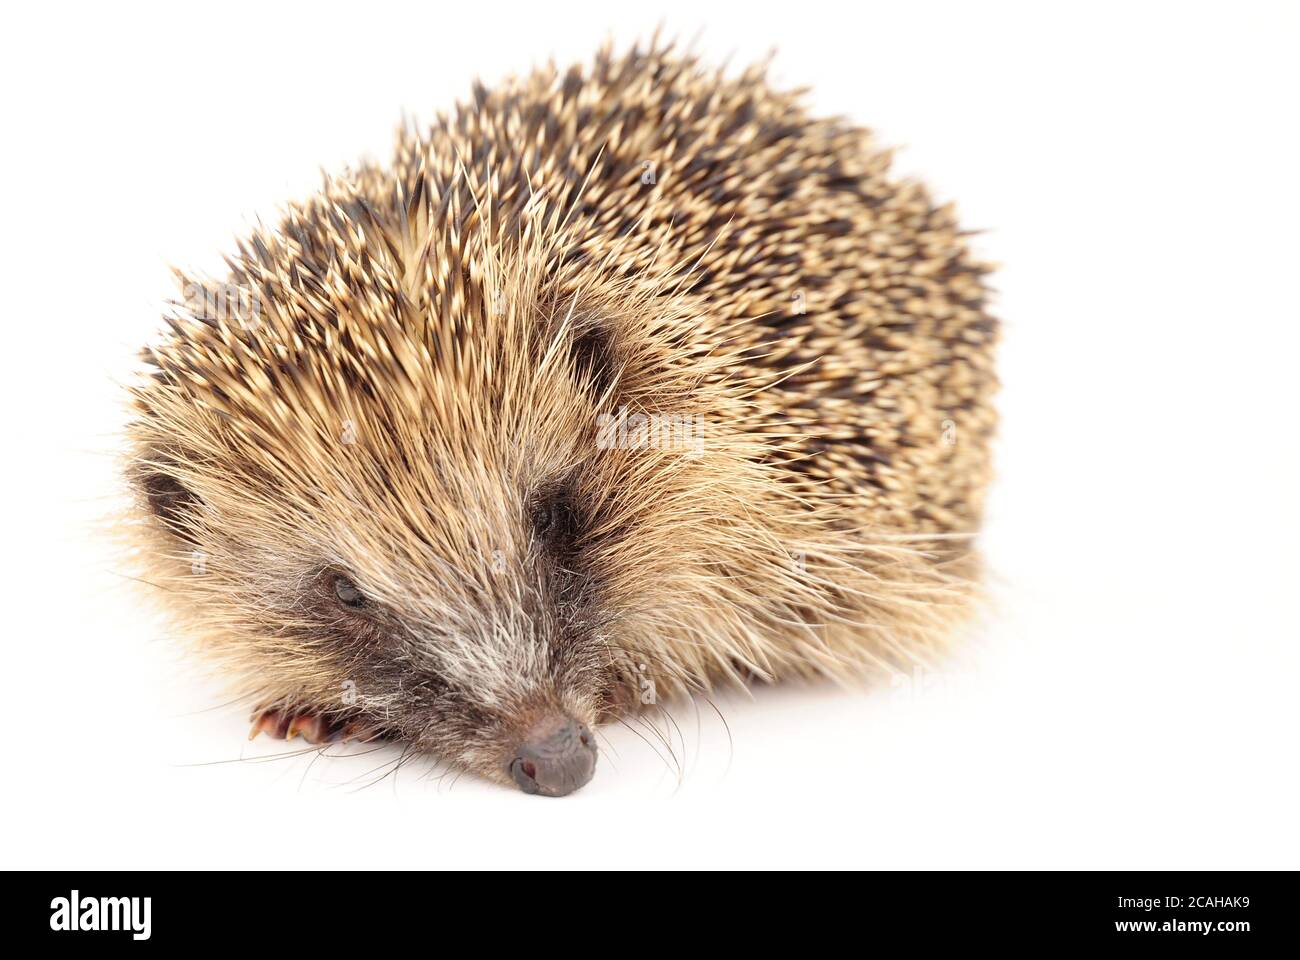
(316, 728)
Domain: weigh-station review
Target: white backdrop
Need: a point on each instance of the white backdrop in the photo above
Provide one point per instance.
(1131, 700)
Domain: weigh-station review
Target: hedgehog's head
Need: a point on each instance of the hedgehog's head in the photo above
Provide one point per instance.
(476, 523)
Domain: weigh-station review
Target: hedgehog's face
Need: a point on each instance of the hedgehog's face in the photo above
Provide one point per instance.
(425, 572)
(480, 535)
(468, 560)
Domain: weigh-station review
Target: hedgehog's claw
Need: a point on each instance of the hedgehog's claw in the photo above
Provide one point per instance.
(315, 728)
(271, 721)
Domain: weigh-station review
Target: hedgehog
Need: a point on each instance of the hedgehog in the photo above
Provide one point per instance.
(617, 384)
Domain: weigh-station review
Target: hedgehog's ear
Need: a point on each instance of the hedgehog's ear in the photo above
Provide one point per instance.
(173, 503)
(595, 359)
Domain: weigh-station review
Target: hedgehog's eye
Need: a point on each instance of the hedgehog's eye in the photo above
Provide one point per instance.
(347, 593)
(170, 500)
(555, 520)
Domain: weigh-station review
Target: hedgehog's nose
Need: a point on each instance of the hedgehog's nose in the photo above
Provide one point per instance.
(558, 758)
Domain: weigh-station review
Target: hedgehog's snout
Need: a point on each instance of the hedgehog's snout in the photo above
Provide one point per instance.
(558, 757)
